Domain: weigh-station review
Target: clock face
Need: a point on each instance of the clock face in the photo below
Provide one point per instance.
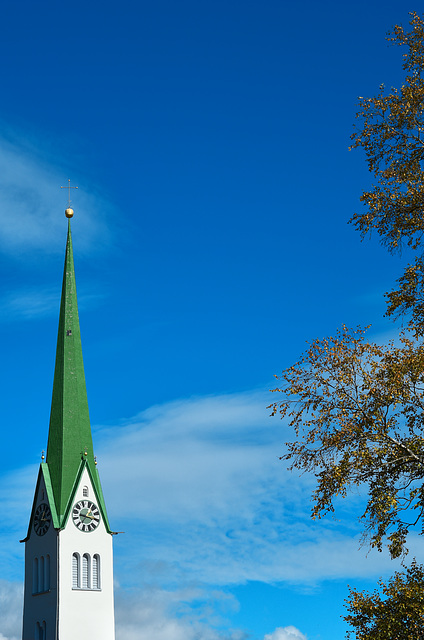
(42, 519)
(85, 515)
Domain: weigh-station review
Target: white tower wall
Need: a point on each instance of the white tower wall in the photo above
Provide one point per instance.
(54, 604)
(85, 610)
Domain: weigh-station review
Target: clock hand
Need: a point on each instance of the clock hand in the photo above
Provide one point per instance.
(88, 516)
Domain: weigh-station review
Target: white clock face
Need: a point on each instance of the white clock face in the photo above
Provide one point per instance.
(86, 515)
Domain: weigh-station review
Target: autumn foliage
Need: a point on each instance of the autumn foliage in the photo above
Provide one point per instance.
(396, 612)
(356, 407)
(357, 412)
(390, 130)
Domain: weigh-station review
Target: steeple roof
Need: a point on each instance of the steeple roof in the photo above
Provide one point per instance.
(70, 444)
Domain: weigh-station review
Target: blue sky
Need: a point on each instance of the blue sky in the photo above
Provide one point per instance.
(210, 144)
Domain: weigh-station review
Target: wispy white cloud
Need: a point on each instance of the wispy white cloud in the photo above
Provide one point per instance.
(36, 303)
(32, 204)
(16, 494)
(285, 633)
(11, 594)
(29, 304)
(182, 614)
(203, 454)
(209, 498)
(190, 613)
(206, 504)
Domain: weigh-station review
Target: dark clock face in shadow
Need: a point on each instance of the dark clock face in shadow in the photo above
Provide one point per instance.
(86, 515)
(42, 519)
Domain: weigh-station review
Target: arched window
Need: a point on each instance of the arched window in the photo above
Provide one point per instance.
(96, 571)
(86, 568)
(86, 571)
(85, 492)
(76, 571)
(40, 631)
(35, 576)
(47, 573)
(41, 575)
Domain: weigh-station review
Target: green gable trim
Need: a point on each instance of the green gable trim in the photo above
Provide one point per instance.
(98, 494)
(44, 468)
(43, 473)
(56, 521)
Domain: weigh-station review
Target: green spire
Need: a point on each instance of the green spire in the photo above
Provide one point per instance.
(70, 439)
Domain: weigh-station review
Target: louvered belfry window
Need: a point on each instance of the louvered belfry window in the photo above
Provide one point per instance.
(41, 575)
(75, 571)
(40, 631)
(86, 571)
(96, 571)
(47, 573)
(35, 576)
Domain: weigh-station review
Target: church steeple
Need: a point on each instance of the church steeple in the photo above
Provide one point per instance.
(70, 443)
(68, 547)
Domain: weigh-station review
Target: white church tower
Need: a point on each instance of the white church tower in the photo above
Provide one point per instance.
(68, 547)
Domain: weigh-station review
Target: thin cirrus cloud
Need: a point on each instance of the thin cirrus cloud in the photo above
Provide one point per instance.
(179, 615)
(208, 499)
(183, 614)
(32, 205)
(207, 505)
(11, 601)
(30, 304)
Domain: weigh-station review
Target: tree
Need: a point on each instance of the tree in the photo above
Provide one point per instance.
(356, 407)
(391, 132)
(357, 412)
(399, 614)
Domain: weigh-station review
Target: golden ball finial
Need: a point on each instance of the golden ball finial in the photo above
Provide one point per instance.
(69, 212)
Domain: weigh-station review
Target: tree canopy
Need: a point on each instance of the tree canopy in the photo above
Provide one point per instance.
(357, 412)
(390, 129)
(398, 612)
(357, 407)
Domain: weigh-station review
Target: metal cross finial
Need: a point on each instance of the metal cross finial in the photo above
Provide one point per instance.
(69, 192)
